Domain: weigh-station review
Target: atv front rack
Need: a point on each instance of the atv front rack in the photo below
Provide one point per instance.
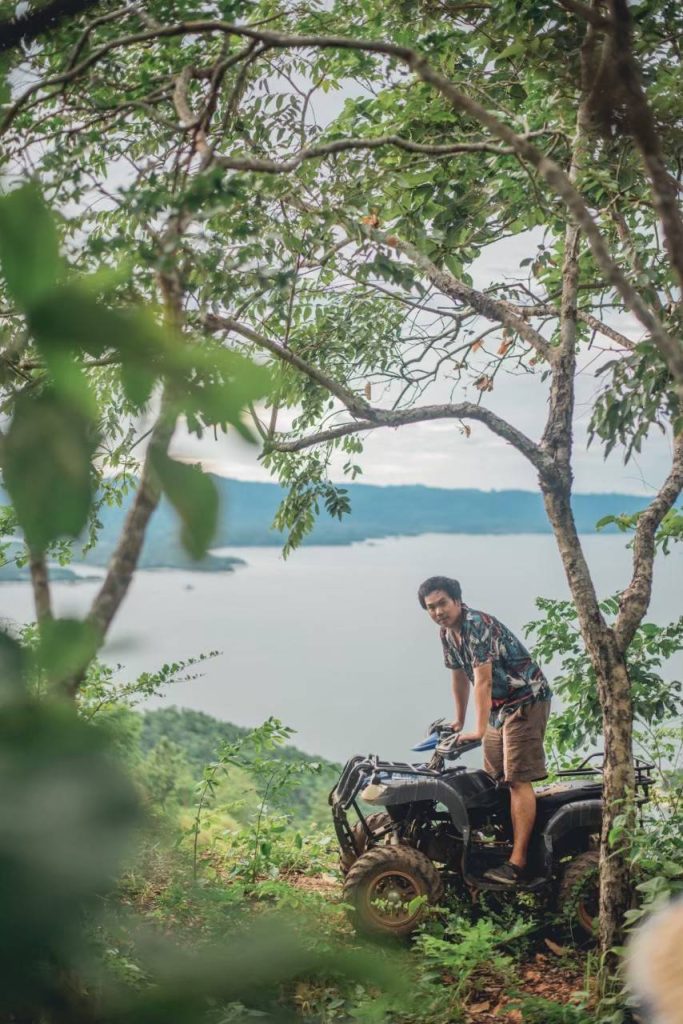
(360, 771)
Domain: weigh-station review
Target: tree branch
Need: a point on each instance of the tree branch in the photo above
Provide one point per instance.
(643, 129)
(581, 314)
(422, 414)
(492, 309)
(356, 405)
(90, 28)
(602, 328)
(557, 435)
(258, 164)
(589, 14)
(635, 599)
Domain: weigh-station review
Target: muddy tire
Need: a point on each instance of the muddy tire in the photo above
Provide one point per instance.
(382, 886)
(376, 821)
(578, 894)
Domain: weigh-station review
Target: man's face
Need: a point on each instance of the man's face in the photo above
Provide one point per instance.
(443, 609)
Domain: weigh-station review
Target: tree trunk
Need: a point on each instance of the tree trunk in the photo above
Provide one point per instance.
(614, 691)
(618, 791)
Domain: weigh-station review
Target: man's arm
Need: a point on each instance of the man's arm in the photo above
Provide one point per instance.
(461, 692)
(483, 679)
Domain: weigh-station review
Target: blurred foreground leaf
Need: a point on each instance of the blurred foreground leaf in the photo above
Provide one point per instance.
(47, 467)
(221, 385)
(66, 645)
(29, 246)
(12, 661)
(66, 813)
(249, 969)
(195, 499)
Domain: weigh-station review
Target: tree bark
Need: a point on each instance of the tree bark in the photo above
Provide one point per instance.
(617, 797)
(614, 691)
(40, 581)
(125, 558)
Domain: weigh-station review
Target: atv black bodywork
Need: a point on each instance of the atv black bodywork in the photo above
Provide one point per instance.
(459, 820)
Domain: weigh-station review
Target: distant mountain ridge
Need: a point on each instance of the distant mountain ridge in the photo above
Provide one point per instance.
(248, 508)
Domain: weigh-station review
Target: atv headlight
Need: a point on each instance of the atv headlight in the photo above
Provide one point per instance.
(374, 793)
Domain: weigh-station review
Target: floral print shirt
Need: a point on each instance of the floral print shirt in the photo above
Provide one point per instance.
(517, 679)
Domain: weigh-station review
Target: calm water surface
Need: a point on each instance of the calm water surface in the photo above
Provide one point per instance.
(333, 641)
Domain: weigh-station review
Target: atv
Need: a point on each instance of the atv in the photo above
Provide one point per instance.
(441, 824)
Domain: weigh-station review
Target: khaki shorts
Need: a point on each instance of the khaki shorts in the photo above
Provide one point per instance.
(514, 753)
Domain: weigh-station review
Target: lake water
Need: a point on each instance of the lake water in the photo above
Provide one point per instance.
(333, 641)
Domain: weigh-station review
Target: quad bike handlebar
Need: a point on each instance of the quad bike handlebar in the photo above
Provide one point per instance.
(443, 739)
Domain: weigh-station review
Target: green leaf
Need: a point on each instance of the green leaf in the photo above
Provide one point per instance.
(66, 645)
(195, 499)
(5, 88)
(47, 467)
(74, 318)
(513, 49)
(138, 383)
(604, 521)
(29, 246)
(224, 384)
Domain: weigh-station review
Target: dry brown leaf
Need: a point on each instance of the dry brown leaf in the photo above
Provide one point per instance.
(484, 383)
(479, 1007)
(467, 430)
(372, 219)
(555, 948)
(476, 345)
(368, 391)
(505, 347)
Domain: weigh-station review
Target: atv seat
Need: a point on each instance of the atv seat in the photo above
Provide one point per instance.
(557, 794)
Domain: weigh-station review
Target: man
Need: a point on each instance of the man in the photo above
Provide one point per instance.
(511, 703)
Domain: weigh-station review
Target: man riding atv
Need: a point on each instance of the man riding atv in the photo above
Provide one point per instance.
(511, 702)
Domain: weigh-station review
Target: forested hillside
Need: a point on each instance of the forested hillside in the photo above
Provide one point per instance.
(190, 740)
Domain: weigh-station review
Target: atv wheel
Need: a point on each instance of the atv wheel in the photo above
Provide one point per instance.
(375, 822)
(382, 886)
(578, 896)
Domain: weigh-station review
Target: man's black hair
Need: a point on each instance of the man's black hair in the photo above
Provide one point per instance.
(445, 583)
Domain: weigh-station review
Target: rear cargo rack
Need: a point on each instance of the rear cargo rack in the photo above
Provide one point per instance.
(593, 766)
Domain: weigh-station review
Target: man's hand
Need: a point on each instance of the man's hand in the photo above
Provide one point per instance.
(469, 737)
(456, 726)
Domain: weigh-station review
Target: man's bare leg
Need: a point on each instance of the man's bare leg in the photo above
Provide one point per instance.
(523, 812)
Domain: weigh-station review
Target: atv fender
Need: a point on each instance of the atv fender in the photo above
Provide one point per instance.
(409, 791)
(585, 815)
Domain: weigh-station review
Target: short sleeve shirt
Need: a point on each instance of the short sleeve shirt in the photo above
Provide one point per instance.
(516, 678)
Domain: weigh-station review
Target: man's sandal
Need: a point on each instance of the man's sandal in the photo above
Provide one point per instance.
(504, 874)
